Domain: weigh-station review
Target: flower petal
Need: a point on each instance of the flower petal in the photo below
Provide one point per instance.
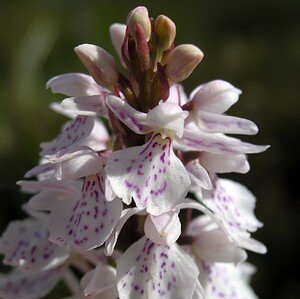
(86, 105)
(215, 123)
(198, 174)
(77, 164)
(218, 143)
(102, 280)
(133, 119)
(218, 163)
(225, 281)
(74, 85)
(73, 133)
(164, 229)
(151, 174)
(215, 96)
(86, 220)
(25, 245)
(212, 244)
(24, 285)
(148, 270)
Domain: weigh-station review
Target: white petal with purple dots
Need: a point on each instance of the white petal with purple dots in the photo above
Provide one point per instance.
(73, 133)
(151, 174)
(148, 270)
(25, 245)
(24, 285)
(86, 219)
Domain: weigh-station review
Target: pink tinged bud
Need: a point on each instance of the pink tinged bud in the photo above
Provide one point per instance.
(182, 61)
(139, 16)
(100, 64)
(165, 30)
(117, 35)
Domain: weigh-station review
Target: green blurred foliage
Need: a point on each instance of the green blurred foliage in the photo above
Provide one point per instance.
(255, 45)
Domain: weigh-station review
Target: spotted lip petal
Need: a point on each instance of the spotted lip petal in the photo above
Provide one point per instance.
(148, 270)
(233, 207)
(151, 174)
(72, 134)
(221, 280)
(24, 285)
(86, 220)
(25, 245)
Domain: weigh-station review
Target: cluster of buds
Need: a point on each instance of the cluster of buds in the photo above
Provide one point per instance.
(112, 206)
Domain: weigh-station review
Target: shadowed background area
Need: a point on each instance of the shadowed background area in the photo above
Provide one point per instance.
(255, 45)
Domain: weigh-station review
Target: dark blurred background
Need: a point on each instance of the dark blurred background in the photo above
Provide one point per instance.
(255, 45)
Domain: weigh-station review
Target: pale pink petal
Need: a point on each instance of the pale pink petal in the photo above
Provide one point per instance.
(72, 134)
(218, 143)
(117, 35)
(98, 138)
(74, 85)
(198, 174)
(151, 174)
(132, 118)
(215, 123)
(225, 281)
(164, 229)
(86, 220)
(112, 239)
(100, 281)
(215, 96)
(177, 95)
(81, 164)
(148, 270)
(25, 245)
(40, 169)
(218, 163)
(86, 105)
(167, 118)
(212, 244)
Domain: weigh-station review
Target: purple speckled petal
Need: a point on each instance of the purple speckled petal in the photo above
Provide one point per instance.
(148, 270)
(233, 206)
(222, 280)
(88, 105)
(85, 220)
(218, 143)
(151, 174)
(132, 118)
(25, 245)
(24, 285)
(73, 133)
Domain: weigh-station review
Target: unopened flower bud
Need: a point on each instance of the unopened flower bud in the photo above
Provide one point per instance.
(182, 61)
(139, 16)
(117, 35)
(100, 64)
(165, 30)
